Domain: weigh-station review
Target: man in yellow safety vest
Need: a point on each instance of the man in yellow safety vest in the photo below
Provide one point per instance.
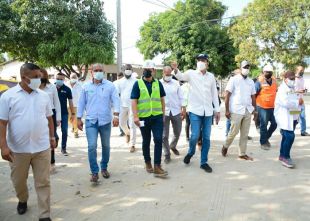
(148, 106)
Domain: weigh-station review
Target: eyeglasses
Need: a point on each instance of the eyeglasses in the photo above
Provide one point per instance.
(98, 70)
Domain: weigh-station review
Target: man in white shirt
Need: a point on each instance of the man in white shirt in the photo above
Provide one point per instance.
(300, 88)
(174, 112)
(124, 88)
(120, 76)
(202, 96)
(76, 88)
(25, 146)
(240, 104)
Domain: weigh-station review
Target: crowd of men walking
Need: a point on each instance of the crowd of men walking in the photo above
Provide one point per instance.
(148, 104)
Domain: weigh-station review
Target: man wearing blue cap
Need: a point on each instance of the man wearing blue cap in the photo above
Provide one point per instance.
(202, 96)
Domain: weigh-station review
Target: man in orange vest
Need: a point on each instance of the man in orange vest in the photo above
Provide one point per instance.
(266, 89)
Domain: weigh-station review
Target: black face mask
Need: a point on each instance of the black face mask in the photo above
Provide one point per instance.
(43, 80)
(147, 73)
(268, 75)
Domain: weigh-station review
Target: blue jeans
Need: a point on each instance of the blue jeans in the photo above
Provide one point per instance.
(287, 141)
(153, 125)
(228, 125)
(92, 131)
(303, 124)
(64, 131)
(265, 116)
(199, 123)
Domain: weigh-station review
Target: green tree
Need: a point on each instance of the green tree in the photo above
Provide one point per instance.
(190, 28)
(275, 30)
(63, 34)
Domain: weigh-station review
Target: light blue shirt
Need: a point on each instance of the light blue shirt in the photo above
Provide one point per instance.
(97, 100)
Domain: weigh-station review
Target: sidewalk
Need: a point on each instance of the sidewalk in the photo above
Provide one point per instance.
(236, 190)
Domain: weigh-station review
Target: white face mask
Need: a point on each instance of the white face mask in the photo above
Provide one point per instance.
(245, 72)
(167, 78)
(201, 66)
(73, 81)
(34, 83)
(98, 75)
(290, 83)
(128, 72)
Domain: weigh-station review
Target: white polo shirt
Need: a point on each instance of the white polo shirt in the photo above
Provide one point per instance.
(174, 97)
(26, 114)
(202, 92)
(241, 90)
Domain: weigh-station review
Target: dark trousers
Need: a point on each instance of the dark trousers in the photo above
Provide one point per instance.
(55, 129)
(266, 116)
(155, 126)
(64, 131)
(287, 141)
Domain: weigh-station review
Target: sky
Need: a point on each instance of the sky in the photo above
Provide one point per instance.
(135, 12)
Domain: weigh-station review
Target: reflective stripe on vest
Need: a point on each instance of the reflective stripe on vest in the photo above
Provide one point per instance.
(267, 95)
(149, 105)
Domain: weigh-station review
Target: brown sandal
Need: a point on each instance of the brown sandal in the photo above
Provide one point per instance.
(245, 157)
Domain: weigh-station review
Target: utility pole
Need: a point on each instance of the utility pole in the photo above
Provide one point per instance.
(119, 35)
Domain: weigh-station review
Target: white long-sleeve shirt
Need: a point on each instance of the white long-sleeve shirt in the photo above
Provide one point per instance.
(202, 92)
(124, 87)
(285, 102)
(174, 97)
(51, 90)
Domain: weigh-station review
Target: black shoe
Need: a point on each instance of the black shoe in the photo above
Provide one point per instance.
(187, 159)
(21, 208)
(304, 134)
(64, 152)
(206, 168)
(45, 219)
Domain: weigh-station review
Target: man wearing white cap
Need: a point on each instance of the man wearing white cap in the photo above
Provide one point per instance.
(124, 88)
(202, 96)
(239, 104)
(266, 89)
(148, 106)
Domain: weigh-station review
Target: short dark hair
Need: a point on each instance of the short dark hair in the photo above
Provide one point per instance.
(289, 73)
(61, 74)
(25, 68)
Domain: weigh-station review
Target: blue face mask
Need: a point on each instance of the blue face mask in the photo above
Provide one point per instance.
(59, 83)
(99, 75)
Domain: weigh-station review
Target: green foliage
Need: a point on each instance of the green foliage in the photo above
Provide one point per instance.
(275, 30)
(62, 33)
(187, 31)
(255, 72)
